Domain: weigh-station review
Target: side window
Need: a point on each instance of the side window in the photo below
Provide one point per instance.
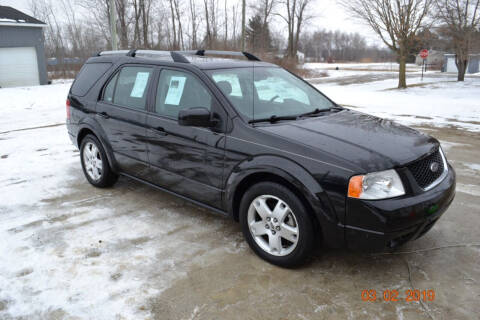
(110, 89)
(179, 90)
(129, 87)
(229, 84)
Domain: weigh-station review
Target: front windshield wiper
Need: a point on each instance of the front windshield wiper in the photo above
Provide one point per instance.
(317, 111)
(273, 119)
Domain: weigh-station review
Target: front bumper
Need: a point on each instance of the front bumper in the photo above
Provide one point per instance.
(377, 225)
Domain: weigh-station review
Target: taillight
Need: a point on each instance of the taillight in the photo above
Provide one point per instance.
(68, 109)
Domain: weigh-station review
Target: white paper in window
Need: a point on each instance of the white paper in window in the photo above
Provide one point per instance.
(175, 90)
(140, 85)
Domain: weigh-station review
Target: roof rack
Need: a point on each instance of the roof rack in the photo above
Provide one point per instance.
(177, 56)
(202, 52)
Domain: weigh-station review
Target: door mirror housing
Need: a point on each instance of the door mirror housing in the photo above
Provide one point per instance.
(196, 117)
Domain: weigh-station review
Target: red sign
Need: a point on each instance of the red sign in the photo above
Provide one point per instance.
(424, 54)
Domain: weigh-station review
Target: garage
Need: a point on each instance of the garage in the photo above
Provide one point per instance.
(22, 52)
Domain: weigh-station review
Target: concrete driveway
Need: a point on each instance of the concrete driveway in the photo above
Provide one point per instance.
(71, 251)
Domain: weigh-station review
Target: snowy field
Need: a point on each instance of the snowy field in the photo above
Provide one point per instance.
(437, 100)
(70, 251)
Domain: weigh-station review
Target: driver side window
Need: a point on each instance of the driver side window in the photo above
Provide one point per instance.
(179, 90)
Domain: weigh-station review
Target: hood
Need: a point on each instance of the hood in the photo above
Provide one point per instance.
(366, 142)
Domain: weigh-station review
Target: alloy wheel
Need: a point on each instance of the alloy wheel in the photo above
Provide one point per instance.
(92, 160)
(273, 225)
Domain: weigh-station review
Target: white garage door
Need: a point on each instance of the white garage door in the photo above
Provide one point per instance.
(18, 67)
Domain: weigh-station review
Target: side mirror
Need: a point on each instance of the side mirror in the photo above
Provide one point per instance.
(196, 117)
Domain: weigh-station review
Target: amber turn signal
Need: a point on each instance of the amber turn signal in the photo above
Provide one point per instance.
(355, 186)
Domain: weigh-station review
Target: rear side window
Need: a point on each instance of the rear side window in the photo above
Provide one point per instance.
(88, 75)
(129, 87)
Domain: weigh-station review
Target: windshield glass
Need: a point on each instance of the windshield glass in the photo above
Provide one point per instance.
(262, 92)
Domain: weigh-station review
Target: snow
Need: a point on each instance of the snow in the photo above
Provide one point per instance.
(436, 100)
(70, 249)
(27, 107)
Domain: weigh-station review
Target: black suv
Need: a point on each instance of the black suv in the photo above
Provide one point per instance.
(250, 140)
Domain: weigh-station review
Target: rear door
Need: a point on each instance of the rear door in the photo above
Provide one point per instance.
(121, 111)
(186, 160)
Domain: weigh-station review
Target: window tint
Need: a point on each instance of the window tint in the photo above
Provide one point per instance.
(110, 89)
(179, 90)
(131, 87)
(87, 77)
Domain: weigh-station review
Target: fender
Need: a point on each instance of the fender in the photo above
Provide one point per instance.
(297, 176)
(91, 124)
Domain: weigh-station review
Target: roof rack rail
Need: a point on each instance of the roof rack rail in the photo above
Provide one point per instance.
(203, 52)
(178, 56)
(112, 52)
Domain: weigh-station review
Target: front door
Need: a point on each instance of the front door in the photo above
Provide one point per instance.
(122, 114)
(186, 160)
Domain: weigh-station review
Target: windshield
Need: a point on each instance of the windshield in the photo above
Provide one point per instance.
(263, 92)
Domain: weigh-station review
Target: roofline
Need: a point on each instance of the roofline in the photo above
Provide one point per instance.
(21, 24)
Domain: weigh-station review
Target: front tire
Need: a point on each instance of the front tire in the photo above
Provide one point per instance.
(276, 224)
(95, 163)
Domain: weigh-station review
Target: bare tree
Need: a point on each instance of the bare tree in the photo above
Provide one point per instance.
(180, 29)
(295, 17)
(396, 22)
(225, 38)
(145, 7)
(194, 24)
(234, 24)
(461, 17)
(123, 21)
(244, 22)
(208, 36)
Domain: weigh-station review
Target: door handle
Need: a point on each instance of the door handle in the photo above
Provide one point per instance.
(159, 130)
(104, 115)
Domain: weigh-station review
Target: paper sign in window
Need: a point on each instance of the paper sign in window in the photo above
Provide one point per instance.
(175, 90)
(140, 85)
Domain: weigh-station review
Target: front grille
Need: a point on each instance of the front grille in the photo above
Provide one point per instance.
(422, 169)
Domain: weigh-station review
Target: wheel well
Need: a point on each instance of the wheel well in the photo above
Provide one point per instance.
(255, 178)
(82, 135)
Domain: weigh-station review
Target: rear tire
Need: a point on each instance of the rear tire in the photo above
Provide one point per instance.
(95, 163)
(276, 224)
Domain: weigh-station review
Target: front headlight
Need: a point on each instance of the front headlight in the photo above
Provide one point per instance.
(376, 185)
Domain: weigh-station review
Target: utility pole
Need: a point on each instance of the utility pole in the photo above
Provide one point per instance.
(113, 25)
(243, 23)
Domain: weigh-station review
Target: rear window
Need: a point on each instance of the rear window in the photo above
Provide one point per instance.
(88, 75)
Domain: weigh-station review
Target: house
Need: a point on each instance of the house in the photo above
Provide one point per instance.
(473, 65)
(22, 50)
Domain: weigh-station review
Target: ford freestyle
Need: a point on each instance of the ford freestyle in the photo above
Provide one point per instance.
(248, 139)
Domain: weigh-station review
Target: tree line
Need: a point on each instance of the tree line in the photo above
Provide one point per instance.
(77, 28)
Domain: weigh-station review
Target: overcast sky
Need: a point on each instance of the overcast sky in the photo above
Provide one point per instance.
(331, 16)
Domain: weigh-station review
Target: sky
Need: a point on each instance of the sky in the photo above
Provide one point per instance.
(329, 15)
